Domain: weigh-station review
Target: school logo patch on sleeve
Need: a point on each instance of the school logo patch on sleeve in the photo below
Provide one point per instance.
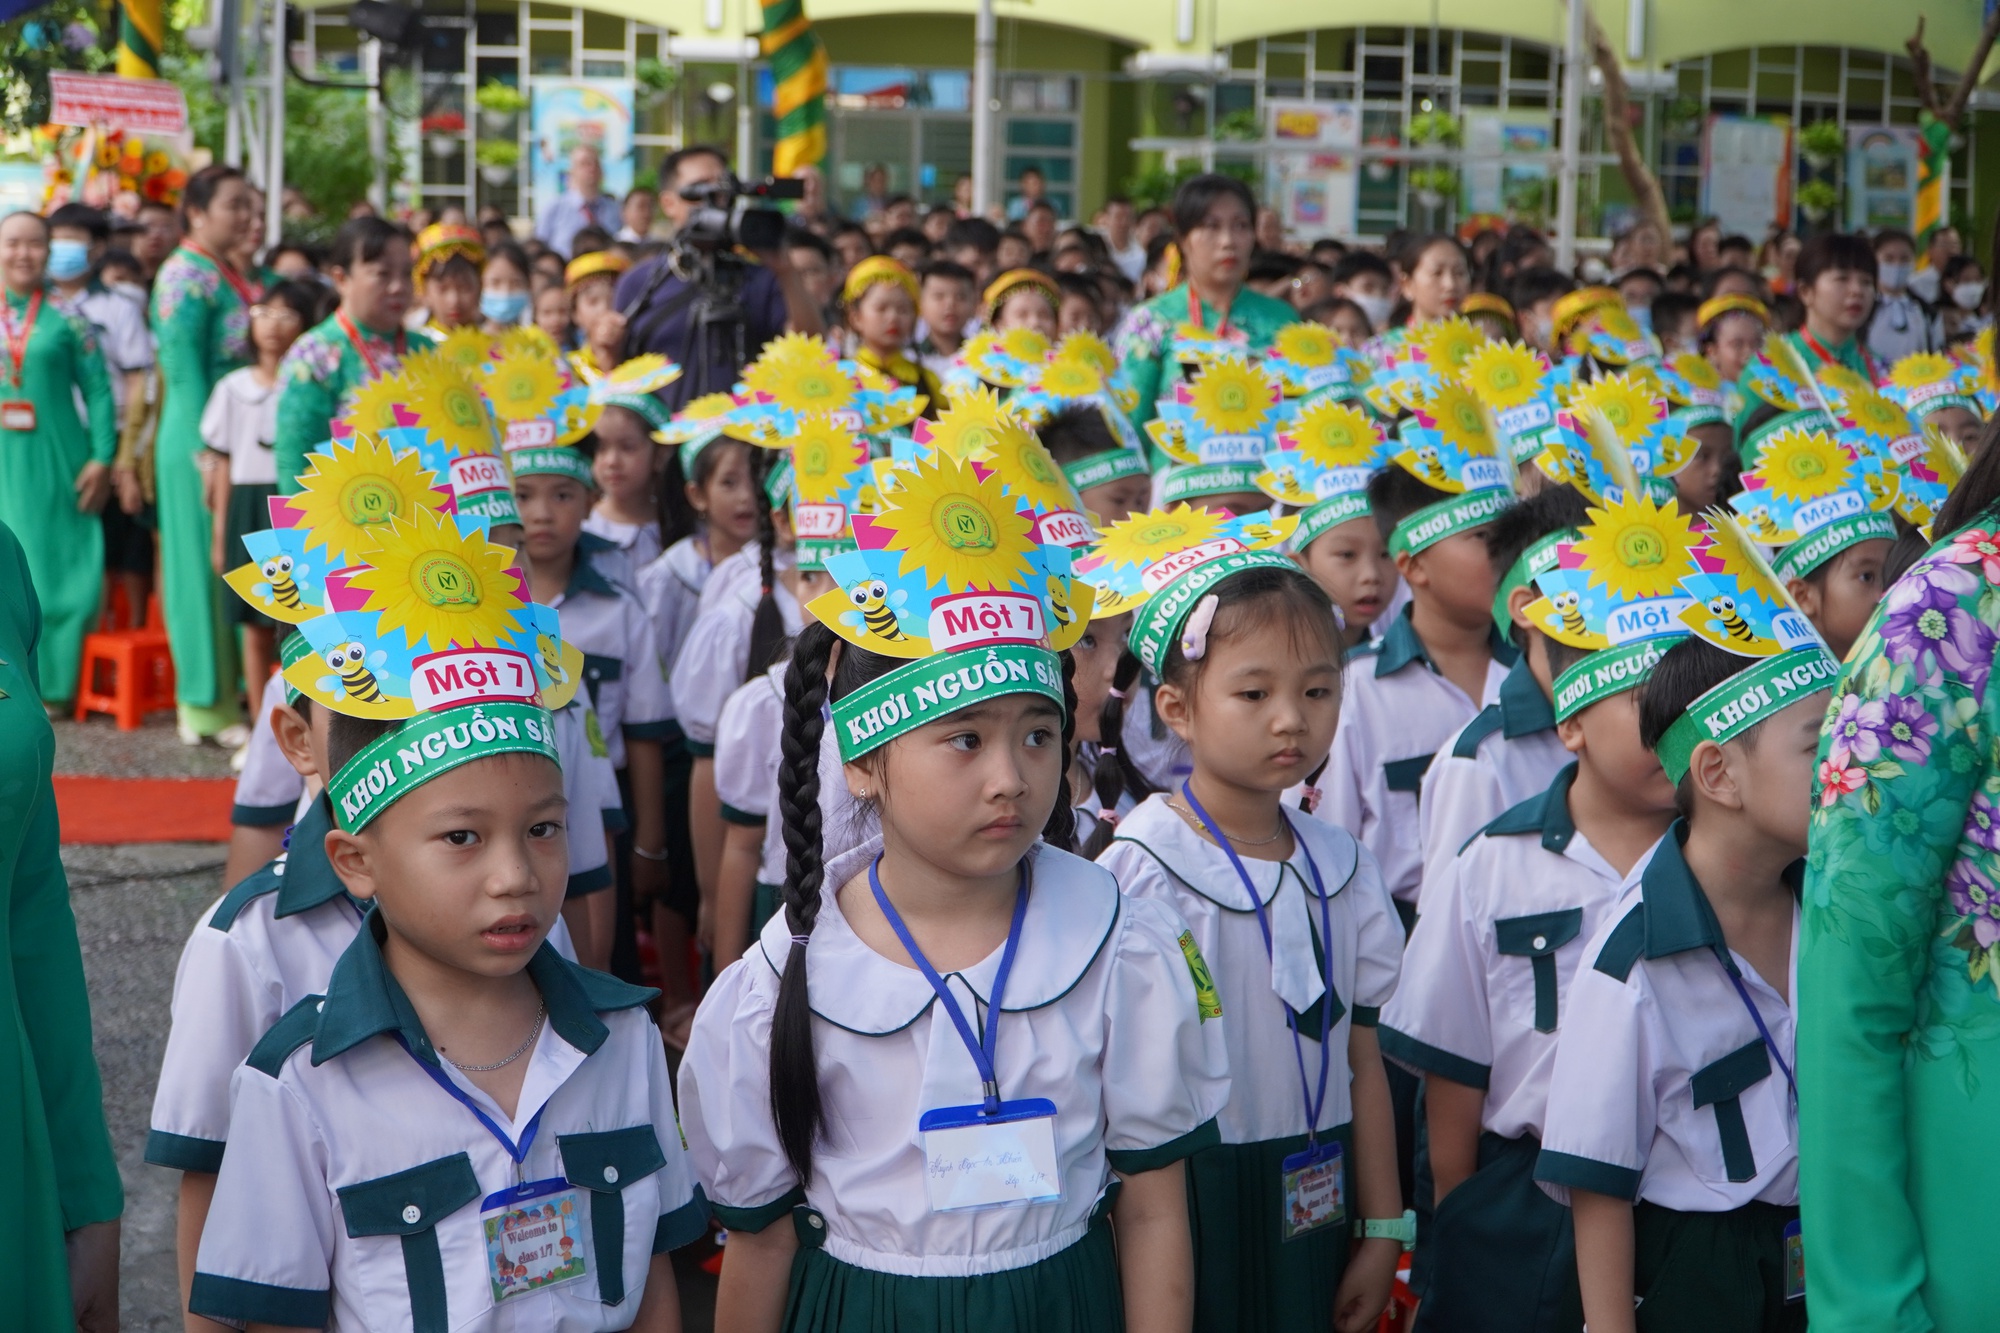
(595, 731)
(1207, 1002)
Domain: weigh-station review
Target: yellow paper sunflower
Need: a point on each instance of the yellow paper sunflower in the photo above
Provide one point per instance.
(1697, 370)
(1454, 413)
(1841, 380)
(1503, 374)
(465, 348)
(1447, 343)
(1068, 378)
(523, 386)
(956, 528)
(1636, 548)
(1919, 369)
(696, 417)
(1982, 357)
(438, 585)
(1231, 397)
(642, 374)
(1029, 473)
(350, 493)
(1615, 322)
(1334, 434)
(1090, 349)
(1144, 538)
(798, 372)
(1877, 415)
(972, 425)
(452, 412)
(1802, 465)
(1025, 345)
(1305, 344)
(526, 339)
(1630, 407)
(824, 457)
(373, 407)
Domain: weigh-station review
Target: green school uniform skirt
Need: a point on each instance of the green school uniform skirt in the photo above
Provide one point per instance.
(1073, 1291)
(765, 900)
(1713, 1272)
(1247, 1277)
(1503, 1253)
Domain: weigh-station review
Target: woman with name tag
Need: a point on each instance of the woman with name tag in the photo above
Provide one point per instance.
(1307, 943)
(958, 1060)
(55, 468)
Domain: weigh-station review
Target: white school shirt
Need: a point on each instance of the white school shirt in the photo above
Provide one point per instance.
(590, 785)
(268, 789)
(670, 587)
(1663, 1090)
(1157, 856)
(1494, 956)
(602, 616)
(124, 335)
(1507, 754)
(715, 659)
(1396, 713)
(241, 420)
(639, 541)
(348, 1165)
(1101, 1016)
(749, 752)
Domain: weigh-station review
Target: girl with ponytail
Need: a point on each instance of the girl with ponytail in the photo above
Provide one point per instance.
(955, 988)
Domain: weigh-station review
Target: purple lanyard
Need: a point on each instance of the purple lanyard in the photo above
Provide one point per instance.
(980, 1048)
(1315, 1101)
(1743, 993)
(517, 1151)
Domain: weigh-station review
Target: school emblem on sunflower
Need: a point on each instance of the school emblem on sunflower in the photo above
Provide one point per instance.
(824, 460)
(1504, 374)
(1446, 344)
(1922, 369)
(1697, 370)
(351, 493)
(465, 348)
(439, 585)
(957, 527)
(1631, 405)
(798, 372)
(1455, 415)
(1876, 416)
(1799, 466)
(1304, 344)
(1090, 349)
(523, 386)
(452, 412)
(1144, 538)
(1232, 397)
(1334, 434)
(1637, 549)
(1067, 377)
(969, 427)
(373, 407)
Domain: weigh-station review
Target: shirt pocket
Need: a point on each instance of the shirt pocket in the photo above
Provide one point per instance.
(607, 1164)
(1718, 1090)
(600, 671)
(1529, 987)
(409, 1205)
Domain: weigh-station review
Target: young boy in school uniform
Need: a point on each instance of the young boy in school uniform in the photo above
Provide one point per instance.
(1509, 752)
(1672, 1126)
(1500, 937)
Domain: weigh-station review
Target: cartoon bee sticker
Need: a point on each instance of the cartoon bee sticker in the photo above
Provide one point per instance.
(876, 609)
(1059, 606)
(1570, 607)
(1430, 463)
(551, 654)
(1723, 608)
(351, 673)
(1759, 524)
(280, 585)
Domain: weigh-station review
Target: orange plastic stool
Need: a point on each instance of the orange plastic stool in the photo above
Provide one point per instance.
(141, 676)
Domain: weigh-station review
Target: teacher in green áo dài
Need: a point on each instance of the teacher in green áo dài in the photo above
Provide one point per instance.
(55, 471)
(1215, 221)
(201, 321)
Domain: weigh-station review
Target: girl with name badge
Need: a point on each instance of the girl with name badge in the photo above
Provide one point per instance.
(1307, 944)
(958, 1054)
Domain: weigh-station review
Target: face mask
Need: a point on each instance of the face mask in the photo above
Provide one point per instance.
(1642, 315)
(1594, 270)
(503, 307)
(1377, 308)
(1894, 277)
(1967, 295)
(68, 259)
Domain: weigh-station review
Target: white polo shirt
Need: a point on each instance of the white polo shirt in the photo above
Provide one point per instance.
(354, 1185)
(1157, 856)
(621, 679)
(1396, 712)
(1507, 754)
(1493, 958)
(1100, 1015)
(715, 659)
(670, 587)
(1664, 1090)
(590, 785)
(268, 789)
(639, 541)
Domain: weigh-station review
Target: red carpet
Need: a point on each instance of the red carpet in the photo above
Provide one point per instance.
(113, 810)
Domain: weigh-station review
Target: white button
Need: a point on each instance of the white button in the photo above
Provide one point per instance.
(611, 1175)
(412, 1213)
(1541, 941)
(815, 1221)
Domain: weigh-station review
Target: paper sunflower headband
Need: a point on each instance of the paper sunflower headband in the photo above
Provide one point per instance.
(797, 375)
(1449, 447)
(1080, 372)
(1740, 606)
(978, 428)
(1517, 386)
(1615, 435)
(947, 575)
(1814, 497)
(1426, 357)
(1220, 424)
(1695, 389)
(828, 483)
(1608, 335)
(1322, 465)
(1309, 361)
(1780, 378)
(1003, 360)
(1614, 589)
(443, 241)
(413, 616)
(1926, 382)
(1162, 563)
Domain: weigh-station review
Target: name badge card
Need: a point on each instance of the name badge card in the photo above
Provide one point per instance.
(17, 414)
(537, 1237)
(1795, 1262)
(1315, 1190)
(980, 1159)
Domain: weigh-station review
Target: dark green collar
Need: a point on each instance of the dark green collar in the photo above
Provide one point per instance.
(1546, 814)
(584, 576)
(309, 879)
(363, 1000)
(1524, 709)
(1401, 646)
(1678, 917)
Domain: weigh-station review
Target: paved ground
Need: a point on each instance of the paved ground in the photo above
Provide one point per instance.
(134, 907)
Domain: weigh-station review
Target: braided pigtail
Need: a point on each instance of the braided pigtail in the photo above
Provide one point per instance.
(767, 626)
(1116, 774)
(1060, 831)
(795, 1092)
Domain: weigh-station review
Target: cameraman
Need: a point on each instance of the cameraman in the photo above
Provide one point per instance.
(773, 298)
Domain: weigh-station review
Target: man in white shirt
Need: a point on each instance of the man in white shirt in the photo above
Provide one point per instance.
(582, 203)
(1114, 221)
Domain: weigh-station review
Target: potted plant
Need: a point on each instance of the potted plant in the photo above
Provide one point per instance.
(1437, 128)
(1817, 200)
(499, 103)
(497, 159)
(1822, 142)
(1433, 185)
(656, 78)
(446, 132)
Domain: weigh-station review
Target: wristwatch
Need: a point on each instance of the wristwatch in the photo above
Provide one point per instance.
(1402, 1228)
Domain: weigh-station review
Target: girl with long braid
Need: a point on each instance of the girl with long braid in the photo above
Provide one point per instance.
(957, 993)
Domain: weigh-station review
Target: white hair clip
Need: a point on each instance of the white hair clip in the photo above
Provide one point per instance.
(1194, 639)
(1339, 616)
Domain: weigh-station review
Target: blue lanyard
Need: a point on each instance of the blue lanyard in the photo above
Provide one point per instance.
(981, 1049)
(517, 1151)
(1315, 1101)
(1743, 993)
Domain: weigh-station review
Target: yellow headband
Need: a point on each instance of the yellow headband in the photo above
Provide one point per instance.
(445, 240)
(877, 269)
(1716, 307)
(1012, 281)
(1569, 310)
(608, 262)
(1486, 303)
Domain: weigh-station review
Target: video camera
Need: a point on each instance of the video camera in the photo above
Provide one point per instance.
(728, 215)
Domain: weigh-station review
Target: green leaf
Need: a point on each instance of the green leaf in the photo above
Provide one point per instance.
(1871, 797)
(1885, 769)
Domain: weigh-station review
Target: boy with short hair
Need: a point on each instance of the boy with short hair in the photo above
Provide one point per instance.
(1501, 935)
(1367, 280)
(1672, 1126)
